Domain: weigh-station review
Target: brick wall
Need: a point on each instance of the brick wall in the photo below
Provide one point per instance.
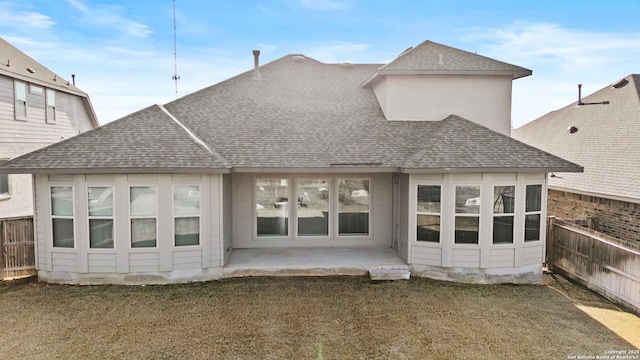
(620, 219)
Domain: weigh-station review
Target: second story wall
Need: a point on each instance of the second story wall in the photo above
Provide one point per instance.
(485, 100)
(42, 124)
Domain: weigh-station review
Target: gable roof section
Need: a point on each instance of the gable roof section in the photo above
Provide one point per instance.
(148, 141)
(298, 116)
(15, 64)
(431, 58)
(606, 143)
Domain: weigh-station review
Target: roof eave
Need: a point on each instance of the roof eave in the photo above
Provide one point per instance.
(24, 78)
(516, 74)
(439, 170)
(118, 170)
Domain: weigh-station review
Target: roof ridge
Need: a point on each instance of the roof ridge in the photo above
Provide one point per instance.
(193, 137)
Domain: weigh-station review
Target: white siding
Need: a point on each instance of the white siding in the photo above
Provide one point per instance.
(141, 262)
(533, 254)
(422, 255)
(227, 215)
(502, 257)
(122, 259)
(466, 258)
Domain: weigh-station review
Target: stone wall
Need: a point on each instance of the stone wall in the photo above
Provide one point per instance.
(620, 219)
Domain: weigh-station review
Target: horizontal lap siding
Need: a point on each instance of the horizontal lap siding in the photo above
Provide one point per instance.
(214, 220)
(466, 258)
(187, 260)
(427, 256)
(502, 257)
(532, 255)
(63, 262)
(144, 262)
(102, 263)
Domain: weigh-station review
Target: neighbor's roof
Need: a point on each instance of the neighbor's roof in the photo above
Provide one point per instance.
(437, 59)
(16, 64)
(606, 143)
(299, 115)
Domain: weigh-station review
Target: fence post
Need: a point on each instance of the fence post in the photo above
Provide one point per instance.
(2, 236)
(551, 221)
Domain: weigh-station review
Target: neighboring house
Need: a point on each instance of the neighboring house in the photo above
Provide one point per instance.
(604, 139)
(302, 155)
(37, 108)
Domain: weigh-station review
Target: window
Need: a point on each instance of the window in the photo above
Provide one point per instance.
(429, 213)
(51, 106)
(353, 207)
(35, 89)
(533, 212)
(100, 204)
(272, 207)
(62, 216)
(20, 90)
(142, 214)
(4, 186)
(186, 215)
(467, 214)
(503, 214)
(313, 207)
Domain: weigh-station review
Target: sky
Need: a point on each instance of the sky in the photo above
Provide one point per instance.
(122, 52)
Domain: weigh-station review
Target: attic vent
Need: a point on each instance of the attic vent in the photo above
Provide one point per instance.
(346, 65)
(298, 59)
(30, 70)
(620, 83)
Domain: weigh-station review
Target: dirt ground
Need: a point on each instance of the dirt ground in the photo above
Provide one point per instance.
(311, 318)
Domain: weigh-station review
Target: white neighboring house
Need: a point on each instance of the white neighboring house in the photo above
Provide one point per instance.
(37, 108)
(183, 191)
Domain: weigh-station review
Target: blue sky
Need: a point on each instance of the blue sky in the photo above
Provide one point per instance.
(122, 51)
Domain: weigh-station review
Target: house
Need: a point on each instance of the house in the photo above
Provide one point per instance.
(604, 139)
(379, 157)
(37, 108)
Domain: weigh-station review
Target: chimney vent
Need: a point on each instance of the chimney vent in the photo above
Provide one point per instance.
(256, 65)
(73, 78)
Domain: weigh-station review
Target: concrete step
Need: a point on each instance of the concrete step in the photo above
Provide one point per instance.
(389, 274)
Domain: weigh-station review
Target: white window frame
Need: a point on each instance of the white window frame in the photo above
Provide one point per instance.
(174, 217)
(20, 98)
(155, 216)
(538, 212)
(512, 214)
(295, 229)
(478, 215)
(289, 236)
(336, 195)
(50, 103)
(36, 89)
(439, 214)
(72, 217)
(101, 217)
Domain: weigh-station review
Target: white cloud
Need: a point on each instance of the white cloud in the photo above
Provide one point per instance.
(571, 50)
(24, 19)
(336, 52)
(108, 17)
(324, 5)
(78, 5)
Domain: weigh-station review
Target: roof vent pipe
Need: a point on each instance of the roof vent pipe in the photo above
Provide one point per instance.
(580, 103)
(256, 64)
(73, 79)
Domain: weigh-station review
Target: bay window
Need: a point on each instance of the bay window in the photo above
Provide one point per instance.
(533, 213)
(100, 204)
(186, 215)
(429, 213)
(503, 214)
(142, 214)
(467, 214)
(62, 216)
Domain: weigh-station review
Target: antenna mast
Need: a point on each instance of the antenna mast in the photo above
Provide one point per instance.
(175, 76)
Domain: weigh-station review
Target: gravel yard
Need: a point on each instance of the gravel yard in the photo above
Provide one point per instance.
(310, 318)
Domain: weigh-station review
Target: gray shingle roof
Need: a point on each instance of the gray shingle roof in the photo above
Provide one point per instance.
(15, 63)
(433, 58)
(606, 143)
(298, 116)
(145, 141)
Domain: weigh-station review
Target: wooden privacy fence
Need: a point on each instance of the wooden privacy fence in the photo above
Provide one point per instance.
(605, 264)
(17, 244)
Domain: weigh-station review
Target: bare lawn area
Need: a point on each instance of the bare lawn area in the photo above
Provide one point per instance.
(311, 318)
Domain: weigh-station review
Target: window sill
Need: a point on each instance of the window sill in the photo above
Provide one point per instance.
(5, 197)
